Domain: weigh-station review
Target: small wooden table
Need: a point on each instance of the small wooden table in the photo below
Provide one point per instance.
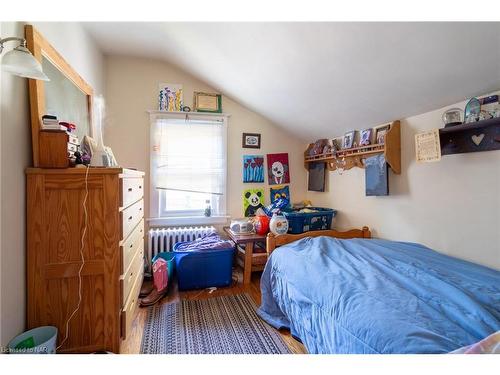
(245, 256)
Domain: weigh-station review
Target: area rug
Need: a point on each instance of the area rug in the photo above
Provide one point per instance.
(220, 325)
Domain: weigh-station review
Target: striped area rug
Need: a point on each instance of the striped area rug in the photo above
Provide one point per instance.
(221, 325)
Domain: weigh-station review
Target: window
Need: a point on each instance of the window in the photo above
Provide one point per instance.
(188, 165)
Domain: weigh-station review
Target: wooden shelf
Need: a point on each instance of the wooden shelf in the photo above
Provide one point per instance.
(460, 139)
(474, 125)
(354, 157)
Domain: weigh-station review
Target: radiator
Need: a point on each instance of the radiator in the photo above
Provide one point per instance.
(164, 239)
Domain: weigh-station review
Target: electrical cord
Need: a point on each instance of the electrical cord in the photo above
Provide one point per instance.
(84, 233)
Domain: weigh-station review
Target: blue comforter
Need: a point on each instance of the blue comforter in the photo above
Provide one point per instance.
(378, 296)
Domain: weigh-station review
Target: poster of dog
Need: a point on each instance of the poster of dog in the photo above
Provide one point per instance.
(278, 170)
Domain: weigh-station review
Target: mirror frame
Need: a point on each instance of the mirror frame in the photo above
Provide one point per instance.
(40, 47)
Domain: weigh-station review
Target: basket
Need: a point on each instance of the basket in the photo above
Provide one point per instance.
(303, 222)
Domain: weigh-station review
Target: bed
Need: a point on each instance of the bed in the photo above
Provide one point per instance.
(347, 293)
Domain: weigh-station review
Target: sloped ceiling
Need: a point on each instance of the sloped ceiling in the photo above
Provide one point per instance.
(321, 79)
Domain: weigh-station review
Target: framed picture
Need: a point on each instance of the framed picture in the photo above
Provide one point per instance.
(380, 133)
(348, 139)
(278, 171)
(337, 143)
(170, 97)
(253, 168)
(253, 199)
(207, 102)
(250, 140)
(365, 137)
(280, 192)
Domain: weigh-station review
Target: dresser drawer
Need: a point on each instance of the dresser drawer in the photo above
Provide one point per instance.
(72, 147)
(128, 278)
(128, 312)
(130, 217)
(130, 246)
(132, 189)
(73, 140)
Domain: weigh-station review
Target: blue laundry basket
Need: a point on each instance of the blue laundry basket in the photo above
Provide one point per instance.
(198, 269)
(299, 222)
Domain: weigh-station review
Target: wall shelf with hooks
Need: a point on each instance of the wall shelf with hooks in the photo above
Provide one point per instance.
(354, 157)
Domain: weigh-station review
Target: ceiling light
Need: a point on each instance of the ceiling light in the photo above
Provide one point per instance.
(21, 62)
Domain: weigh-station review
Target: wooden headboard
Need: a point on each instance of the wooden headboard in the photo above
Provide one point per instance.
(274, 241)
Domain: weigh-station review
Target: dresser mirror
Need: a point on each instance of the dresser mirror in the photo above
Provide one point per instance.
(66, 95)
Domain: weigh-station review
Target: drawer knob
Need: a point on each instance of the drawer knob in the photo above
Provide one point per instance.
(129, 189)
(130, 218)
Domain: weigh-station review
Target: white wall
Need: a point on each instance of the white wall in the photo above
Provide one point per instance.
(15, 150)
(132, 86)
(452, 206)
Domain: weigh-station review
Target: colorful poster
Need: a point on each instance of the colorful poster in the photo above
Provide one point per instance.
(280, 192)
(170, 97)
(253, 168)
(253, 199)
(278, 171)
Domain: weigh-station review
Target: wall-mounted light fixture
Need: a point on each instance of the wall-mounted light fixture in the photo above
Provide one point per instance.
(21, 62)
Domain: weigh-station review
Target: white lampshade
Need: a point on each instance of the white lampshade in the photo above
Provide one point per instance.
(21, 62)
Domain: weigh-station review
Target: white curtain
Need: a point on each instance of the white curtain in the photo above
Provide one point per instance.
(189, 163)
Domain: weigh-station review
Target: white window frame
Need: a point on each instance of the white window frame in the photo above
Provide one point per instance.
(184, 218)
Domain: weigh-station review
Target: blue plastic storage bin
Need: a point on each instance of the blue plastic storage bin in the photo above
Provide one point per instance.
(170, 258)
(203, 268)
(303, 222)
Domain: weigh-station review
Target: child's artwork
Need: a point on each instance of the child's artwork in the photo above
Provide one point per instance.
(253, 199)
(170, 97)
(277, 169)
(253, 168)
(280, 192)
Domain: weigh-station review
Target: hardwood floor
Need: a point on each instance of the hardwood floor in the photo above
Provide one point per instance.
(133, 343)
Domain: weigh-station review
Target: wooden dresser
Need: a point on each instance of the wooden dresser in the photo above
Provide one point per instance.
(113, 249)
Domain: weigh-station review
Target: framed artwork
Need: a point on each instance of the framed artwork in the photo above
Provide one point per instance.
(316, 178)
(280, 192)
(380, 133)
(365, 137)
(250, 140)
(253, 168)
(253, 199)
(278, 171)
(337, 143)
(207, 102)
(348, 139)
(170, 97)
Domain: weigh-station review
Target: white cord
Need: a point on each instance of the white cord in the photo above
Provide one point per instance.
(81, 257)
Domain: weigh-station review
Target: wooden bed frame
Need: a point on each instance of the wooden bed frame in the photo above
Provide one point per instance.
(273, 241)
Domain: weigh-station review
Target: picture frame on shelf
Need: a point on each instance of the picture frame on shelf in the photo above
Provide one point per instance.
(380, 132)
(207, 102)
(337, 143)
(250, 140)
(348, 139)
(365, 137)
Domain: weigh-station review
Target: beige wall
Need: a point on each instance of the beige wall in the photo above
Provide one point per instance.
(15, 150)
(452, 206)
(131, 87)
